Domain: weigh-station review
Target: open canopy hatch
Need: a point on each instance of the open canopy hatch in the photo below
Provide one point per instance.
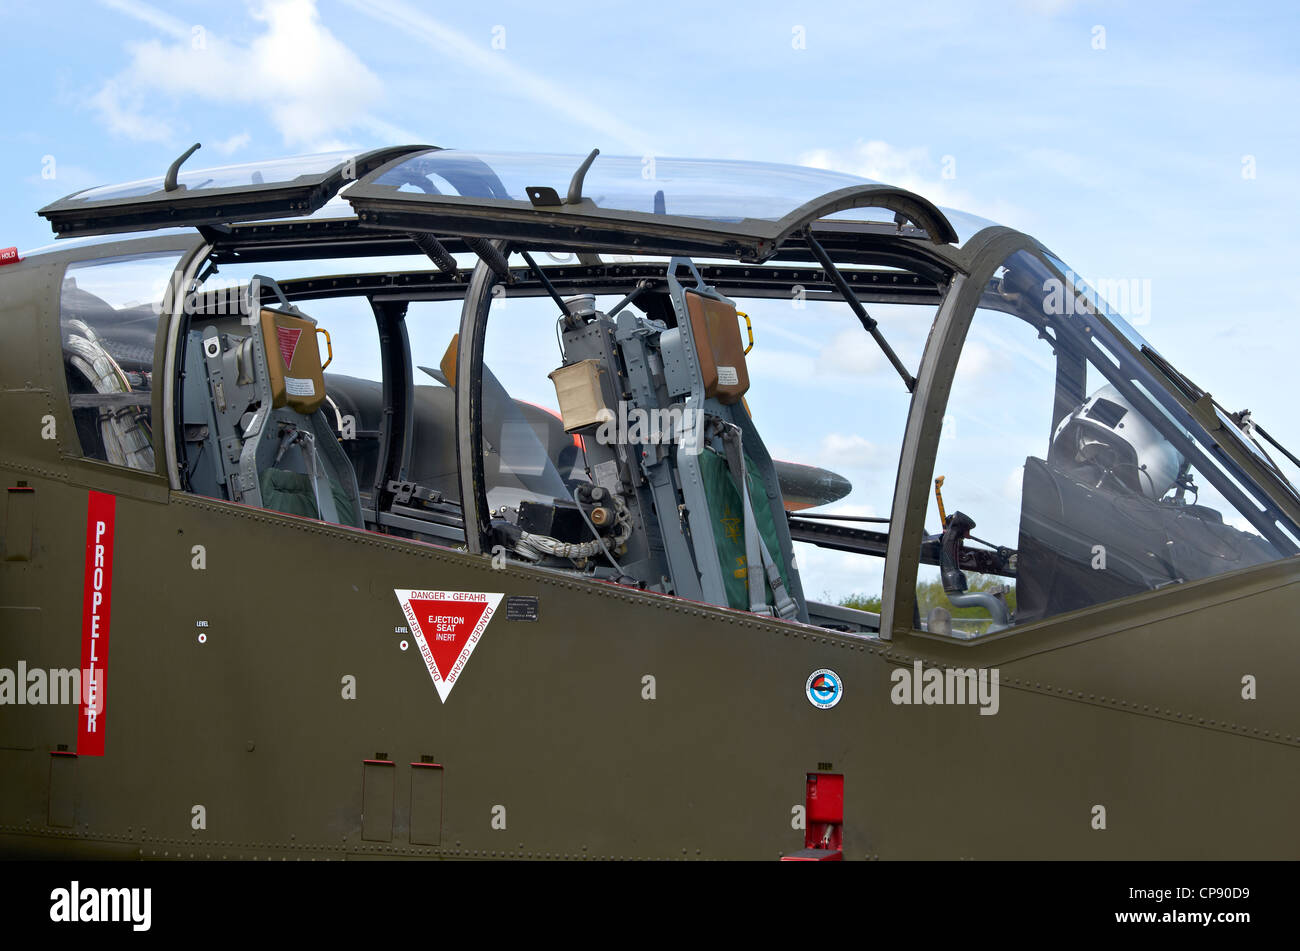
(710, 208)
(282, 188)
(619, 203)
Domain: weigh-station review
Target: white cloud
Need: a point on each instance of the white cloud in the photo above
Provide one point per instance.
(912, 168)
(830, 576)
(311, 85)
(852, 451)
(977, 361)
(1070, 168)
(773, 365)
(775, 329)
(118, 104)
(233, 144)
(853, 352)
(1013, 484)
(1047, 8)
(67, 179)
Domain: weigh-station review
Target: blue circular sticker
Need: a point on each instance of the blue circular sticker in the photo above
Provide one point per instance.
(824, 689)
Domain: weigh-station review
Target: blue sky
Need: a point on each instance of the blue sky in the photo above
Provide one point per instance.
(1148, 142)
(1126, 160)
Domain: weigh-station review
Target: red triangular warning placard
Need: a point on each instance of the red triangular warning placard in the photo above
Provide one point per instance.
(447, 626)
(288, 339)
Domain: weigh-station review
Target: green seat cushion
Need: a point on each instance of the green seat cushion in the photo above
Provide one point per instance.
(291, 493)
(728, 520)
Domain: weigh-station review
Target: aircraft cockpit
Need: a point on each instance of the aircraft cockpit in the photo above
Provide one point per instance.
(256, 429)
(696, 459)
(451, 348)
(1113, 487)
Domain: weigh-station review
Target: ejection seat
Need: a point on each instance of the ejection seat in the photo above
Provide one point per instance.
(255, 430)
(741, 539)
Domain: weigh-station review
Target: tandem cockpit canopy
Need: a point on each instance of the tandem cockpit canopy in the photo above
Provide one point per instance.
(645, 205)
(645, 259)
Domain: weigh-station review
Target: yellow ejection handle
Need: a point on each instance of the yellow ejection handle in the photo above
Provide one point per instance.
(938, 497)
(329, 345)
(749, 329)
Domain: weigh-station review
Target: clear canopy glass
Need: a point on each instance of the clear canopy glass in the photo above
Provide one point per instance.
(270, 172)
(698, 188)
